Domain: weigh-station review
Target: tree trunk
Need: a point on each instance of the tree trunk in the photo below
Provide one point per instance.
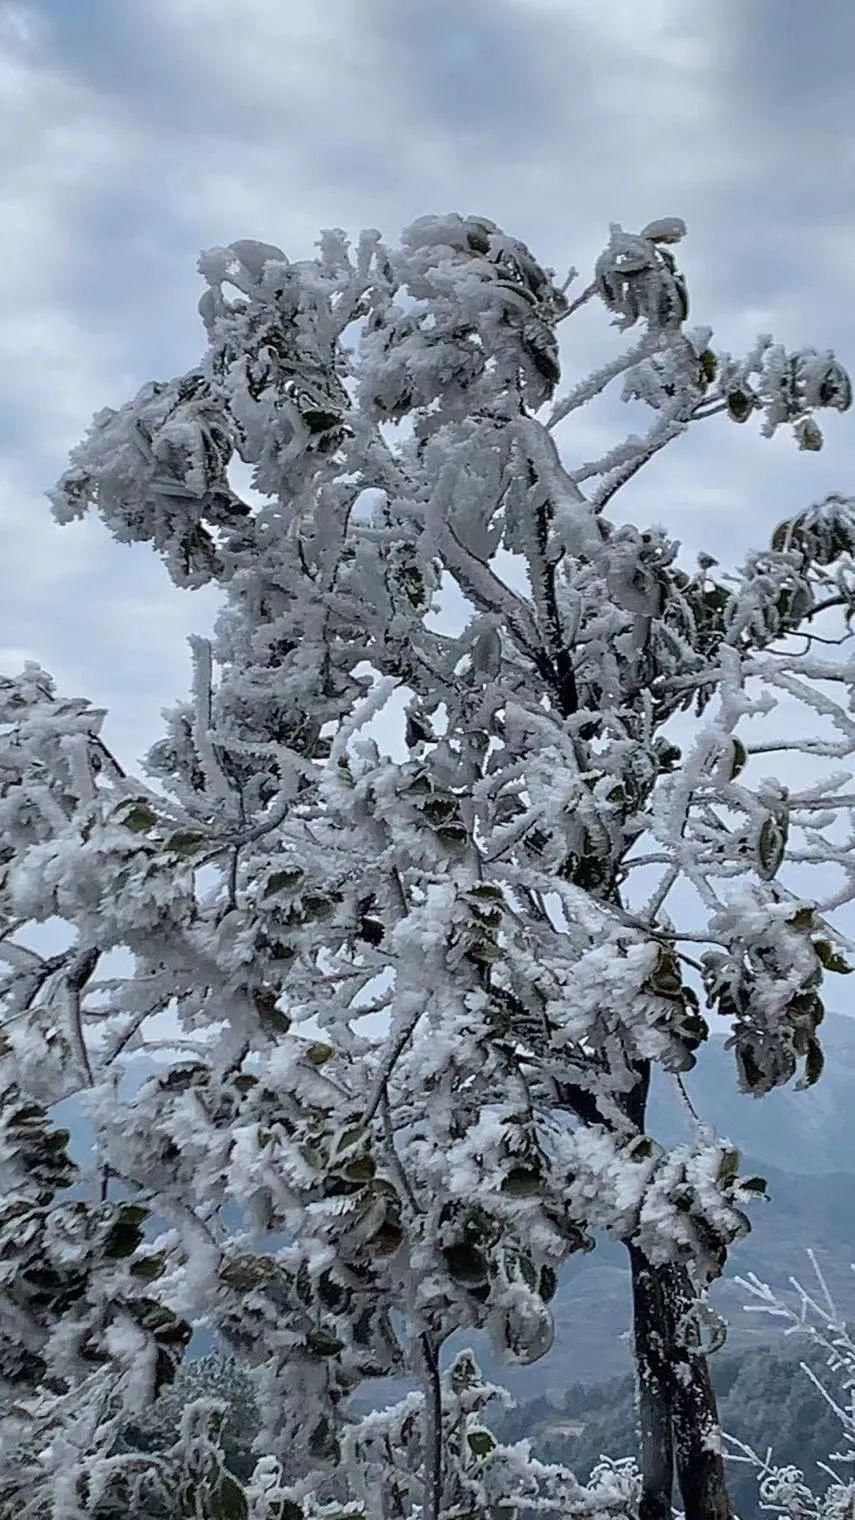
(652, 1378)
(678, 1416)
(694, 1412)
(677, 1409)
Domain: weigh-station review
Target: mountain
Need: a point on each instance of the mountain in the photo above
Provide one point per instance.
(809, 1132)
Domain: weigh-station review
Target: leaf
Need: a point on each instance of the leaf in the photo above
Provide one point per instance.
(323, 1343)
(481, 1443)
(830, 959)
(771, 843)
(231, 1500)
(316, 905)
(354, 1135)
(319, 421)
(666, 229)
(484, 891)
(126, 1231)
(361, 1169)
(466, 1265)
(484, 952)
(283, 880)
(388, 1239)
(185, 842)
(247, 1272)
(809, 435)
(521, 1182)
(319, 1053)
(740, 405)
(453, 835)
(139, 817)
(738, 759)
(418, 730)
(729, 1165)
(753, 1184)
(814, 1063)
(548, 1283)
(149, 1267)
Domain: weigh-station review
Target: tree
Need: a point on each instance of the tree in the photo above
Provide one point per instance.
(814, 1318)
(421, 991)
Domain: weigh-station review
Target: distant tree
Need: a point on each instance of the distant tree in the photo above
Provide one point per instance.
(420, 982)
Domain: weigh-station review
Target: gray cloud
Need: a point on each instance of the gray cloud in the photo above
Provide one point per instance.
(139, 133)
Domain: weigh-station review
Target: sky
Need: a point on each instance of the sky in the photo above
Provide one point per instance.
(135, 133)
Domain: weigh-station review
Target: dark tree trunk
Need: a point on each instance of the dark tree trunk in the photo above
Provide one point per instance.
(678, 1416)
(677, 1410)
(694, 1413)
(652, 1378)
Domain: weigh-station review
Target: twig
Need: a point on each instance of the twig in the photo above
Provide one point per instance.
(580, 300)
(433, 1429)
(388, 1065)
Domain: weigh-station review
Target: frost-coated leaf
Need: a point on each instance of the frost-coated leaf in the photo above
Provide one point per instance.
(771, 843)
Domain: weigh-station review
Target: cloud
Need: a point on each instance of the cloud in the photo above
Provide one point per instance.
(146, 131)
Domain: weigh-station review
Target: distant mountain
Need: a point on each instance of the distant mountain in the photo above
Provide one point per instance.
(792, 1131)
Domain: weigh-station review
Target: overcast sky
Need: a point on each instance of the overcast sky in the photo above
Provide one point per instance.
(137, 132)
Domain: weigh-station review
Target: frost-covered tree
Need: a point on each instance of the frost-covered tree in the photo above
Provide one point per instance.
(811, 1315)
(418, 903)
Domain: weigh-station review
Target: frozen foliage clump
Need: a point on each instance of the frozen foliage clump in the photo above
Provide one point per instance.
(415, 1001)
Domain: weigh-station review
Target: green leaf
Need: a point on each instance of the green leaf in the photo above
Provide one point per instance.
(729, 1165)
(361, 1169)
(247, 1272)
(740, 405)
(316, 905)
(771, 843)
(830, 959)
(139, 817)
(125, 1233)
(323, 1343)
(484, 891)
(483, 951)
(548, 1284)
(345, 1141)
(231, 1500)
(466, 1265)
(388, 1239)
(149, 1267)
(319, 1053)
(753, 1184)
(739, 757)
(439, 809)
(283, 880)
(185, 842)
(453, 835)
(521, 1182)
(319, 421)
(814, 1063)
(481, 1443)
